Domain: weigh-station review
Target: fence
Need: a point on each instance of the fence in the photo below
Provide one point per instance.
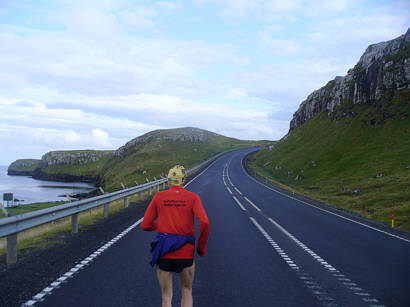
(11, 226)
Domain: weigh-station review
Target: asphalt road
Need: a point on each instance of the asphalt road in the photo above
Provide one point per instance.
(265, 249)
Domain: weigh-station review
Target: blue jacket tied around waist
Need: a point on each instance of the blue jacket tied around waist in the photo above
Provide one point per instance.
(165, 243)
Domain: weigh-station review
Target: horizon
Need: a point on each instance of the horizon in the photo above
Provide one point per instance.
(96, 74)
(90, 149)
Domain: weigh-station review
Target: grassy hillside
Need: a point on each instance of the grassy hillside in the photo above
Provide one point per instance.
(150, 158)
(24, 165)
(358, 159)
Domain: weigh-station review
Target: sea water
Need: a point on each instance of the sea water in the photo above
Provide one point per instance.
(28, 190)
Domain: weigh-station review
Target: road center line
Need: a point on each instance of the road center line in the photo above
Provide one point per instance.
(239, 203)
(255, 206)
(237, 190)
(335, 273)
(309, 282)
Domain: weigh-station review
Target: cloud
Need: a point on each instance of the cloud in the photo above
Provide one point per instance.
(96, 73)
(63, 128)
(70, 64)
(101, 138)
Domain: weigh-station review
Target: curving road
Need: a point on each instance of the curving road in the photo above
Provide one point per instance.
(265, 249)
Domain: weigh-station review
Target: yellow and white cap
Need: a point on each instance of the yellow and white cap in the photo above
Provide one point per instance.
(176, 175)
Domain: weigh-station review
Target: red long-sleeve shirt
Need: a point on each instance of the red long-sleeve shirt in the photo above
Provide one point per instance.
(175, 209)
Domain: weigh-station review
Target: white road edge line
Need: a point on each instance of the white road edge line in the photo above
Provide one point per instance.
(239, 204)
(74, 270)
(48, 290)
(229, 190)
(324, 210)
(201, 173)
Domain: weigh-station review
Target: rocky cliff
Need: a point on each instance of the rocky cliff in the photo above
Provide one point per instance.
(383, 68)
(80, 157)
(79, 165)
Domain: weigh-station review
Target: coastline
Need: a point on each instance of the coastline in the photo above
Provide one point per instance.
(27, 189)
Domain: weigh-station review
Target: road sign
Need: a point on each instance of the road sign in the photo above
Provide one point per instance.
(7, 196)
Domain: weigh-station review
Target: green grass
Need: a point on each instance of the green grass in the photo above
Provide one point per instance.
(31, 165)
(349, 153)
(33, 207)
(53, 233)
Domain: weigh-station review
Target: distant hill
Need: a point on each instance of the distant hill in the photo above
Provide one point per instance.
(144, 157)
(74, 165)
(348, 143)
(154, 153)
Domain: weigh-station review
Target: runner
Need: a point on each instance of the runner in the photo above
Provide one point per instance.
(174, 246)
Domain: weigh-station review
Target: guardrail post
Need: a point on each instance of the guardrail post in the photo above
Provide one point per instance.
(126, 202)
(74, 223)
(163, 186)
(106, 209)
(140, 195)
(158, 188)
(11, 249)
(150, 191)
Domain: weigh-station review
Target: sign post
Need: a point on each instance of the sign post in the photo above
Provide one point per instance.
(8, 197)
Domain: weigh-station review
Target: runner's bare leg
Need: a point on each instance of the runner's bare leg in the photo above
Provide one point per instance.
(165, 282)
(186, 278)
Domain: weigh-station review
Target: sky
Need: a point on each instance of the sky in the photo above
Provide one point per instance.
(94, 74)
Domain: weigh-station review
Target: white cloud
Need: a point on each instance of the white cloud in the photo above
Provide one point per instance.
(96, 73)
(101, 138)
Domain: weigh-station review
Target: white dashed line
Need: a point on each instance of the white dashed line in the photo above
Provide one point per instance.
(255, 206)
(304, 277)
(275, 246)
(239, 203)
(237, 190)
(346, 281)
(229, 190)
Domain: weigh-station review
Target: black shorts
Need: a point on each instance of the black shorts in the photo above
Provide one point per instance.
(174, 265)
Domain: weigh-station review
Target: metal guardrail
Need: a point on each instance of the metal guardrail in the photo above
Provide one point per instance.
(11, 226)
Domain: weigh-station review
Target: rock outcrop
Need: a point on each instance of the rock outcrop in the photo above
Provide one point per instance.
(383, 67)
(80, 157)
